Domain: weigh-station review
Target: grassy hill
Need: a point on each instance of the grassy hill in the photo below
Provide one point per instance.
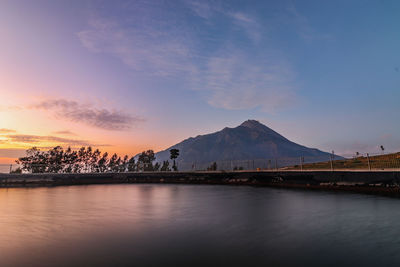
(381, 162)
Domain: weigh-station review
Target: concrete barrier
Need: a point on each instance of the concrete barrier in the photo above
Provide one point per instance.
(217, 177)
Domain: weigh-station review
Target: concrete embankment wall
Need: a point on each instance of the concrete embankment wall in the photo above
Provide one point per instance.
(254, 177)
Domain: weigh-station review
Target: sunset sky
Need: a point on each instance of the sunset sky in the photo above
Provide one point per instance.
(125, 76)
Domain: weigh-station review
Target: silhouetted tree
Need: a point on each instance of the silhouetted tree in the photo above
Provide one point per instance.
(145, 161)
(131, 165)
(174, 153)
(213, 167)
(17, 170)
(103, 163)
(94, 161)
(54, 159)
(34, 162)
(156, 167)
(118, 163)
(165, 166)
(112, 163)
(123, 164)
(81, 162)
(69, 159)
(57, 160)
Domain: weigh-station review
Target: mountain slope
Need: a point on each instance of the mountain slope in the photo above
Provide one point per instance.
(250, 140)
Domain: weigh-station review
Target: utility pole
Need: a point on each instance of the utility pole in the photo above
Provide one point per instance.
(10, 168)
(301, 163)
(369, 164)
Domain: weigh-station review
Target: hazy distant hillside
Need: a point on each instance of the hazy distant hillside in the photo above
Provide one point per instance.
(250, 140)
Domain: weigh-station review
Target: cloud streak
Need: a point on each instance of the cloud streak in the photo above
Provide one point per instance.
(146, 50)
(11, 152)
(65, 132)
(303, 26)
(6, 131)
(234, 83)
(234, 77)
(102, 118)
(34, 139)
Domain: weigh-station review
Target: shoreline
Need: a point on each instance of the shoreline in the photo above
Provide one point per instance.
(378, 183)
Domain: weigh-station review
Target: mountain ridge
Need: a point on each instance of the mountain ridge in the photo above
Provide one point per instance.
(248, 141)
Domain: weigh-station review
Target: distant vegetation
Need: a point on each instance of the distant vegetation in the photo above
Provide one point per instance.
(87, 160)
(58, 160)
(213, 167)
(386, 161)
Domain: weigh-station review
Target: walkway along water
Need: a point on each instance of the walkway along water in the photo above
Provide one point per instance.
(379, 182)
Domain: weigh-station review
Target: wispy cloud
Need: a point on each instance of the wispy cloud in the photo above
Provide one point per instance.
(237, 82)
(242, 17)
(147, 50)
(11, 152)
(201, 8)
(10, 108)
(97, 117)
(303, 26)
(35, 139)
(65, 132)
(235, 77)
(248, 24)
(5, 131)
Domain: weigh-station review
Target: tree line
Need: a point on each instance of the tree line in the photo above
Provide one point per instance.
(85, 160)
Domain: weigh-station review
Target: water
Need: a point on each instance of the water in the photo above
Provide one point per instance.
(196, 225)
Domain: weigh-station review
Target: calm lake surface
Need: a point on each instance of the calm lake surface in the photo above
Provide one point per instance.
(196, 225)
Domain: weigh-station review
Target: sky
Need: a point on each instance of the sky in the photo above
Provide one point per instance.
(125, 76)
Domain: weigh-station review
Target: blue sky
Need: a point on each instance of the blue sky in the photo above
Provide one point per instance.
(325, 74)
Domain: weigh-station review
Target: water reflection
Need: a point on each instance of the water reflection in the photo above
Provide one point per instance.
(159, 225)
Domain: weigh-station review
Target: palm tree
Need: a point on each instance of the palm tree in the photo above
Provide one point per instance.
(174, 154)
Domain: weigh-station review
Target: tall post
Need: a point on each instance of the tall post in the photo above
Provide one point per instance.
(369, 164)
(331, 164)
(10, 168)
(301, 163)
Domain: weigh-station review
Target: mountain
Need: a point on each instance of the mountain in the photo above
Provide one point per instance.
(249, 145)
